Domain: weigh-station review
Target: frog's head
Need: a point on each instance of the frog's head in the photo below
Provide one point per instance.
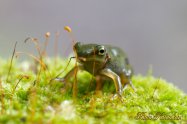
(90, 52)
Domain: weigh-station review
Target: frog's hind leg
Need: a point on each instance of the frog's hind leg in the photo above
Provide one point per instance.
(126, 80)
(131, 85)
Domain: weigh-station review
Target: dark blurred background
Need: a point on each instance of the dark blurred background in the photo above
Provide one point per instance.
(151, 32)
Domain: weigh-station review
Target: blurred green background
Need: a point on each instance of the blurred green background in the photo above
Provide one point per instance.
(151, 32)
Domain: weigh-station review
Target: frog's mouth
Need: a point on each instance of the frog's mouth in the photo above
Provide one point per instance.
(82, 59)
(89, 59)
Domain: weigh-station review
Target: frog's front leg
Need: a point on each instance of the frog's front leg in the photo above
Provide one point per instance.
(70, 74)
(117, 81)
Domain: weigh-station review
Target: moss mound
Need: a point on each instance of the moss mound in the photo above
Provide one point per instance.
(28, 97)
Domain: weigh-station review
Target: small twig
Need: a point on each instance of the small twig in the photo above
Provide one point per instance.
(56, 46)
(68, 29)
(63, 70)
(11, 61)
(14, 89)
(21, 77)
(35, 41)
(34, 57)
(75, 82)
(47, 35)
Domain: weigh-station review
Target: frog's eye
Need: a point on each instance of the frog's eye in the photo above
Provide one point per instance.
(102, 51)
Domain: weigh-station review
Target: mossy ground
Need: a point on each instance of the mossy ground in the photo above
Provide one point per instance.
(43, 102)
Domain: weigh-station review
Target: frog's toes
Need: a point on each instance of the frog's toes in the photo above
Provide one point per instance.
(133, 88)
(117, 97)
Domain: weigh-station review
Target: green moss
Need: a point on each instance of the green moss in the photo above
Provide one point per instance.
(39, 101)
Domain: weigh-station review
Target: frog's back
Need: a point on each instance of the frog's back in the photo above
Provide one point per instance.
(119, 61)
